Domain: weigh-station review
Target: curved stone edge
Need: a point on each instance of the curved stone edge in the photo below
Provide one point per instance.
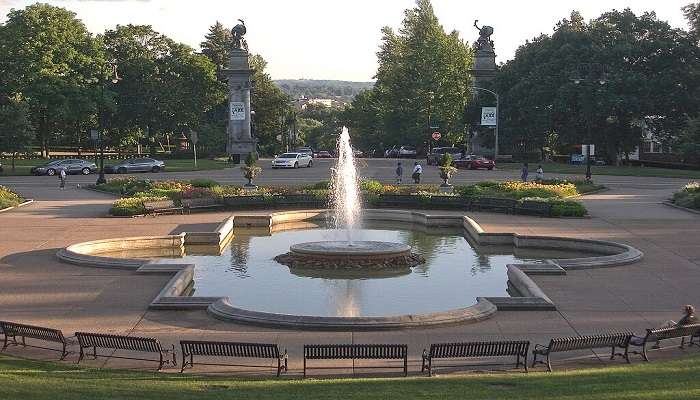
(532, 297)
(676, 206)
(224, 310)
(25, 203)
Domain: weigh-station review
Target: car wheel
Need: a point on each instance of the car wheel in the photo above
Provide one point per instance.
(121, 170)
(51, 172)
(311, 164)
(296, 165)
(155, 169)
(491, 169)
(85, 171)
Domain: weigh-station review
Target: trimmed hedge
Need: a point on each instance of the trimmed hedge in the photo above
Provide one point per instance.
(689, 196)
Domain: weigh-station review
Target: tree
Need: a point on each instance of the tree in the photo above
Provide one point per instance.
(648, 77)
(423, 76)
(270, 104)
(52, 57)
(16, 130)
(217, 44)
(692, 14)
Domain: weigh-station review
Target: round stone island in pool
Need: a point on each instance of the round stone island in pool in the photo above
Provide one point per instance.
(342, 255)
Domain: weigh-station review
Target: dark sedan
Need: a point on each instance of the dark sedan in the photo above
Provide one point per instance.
(71, 166)
(136, 165)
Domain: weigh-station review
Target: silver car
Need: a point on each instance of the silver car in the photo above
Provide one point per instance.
(71, 166)
(136, 165)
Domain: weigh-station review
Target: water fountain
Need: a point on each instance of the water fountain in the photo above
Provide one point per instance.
(347, 205)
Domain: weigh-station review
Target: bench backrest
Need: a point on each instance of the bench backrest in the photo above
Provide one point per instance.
(118, 342)
(230, 349)
(30, 331)
(159, 204)
(198, 202)
(592, 341)
(479, 349)
(674, 332)
(355, 351)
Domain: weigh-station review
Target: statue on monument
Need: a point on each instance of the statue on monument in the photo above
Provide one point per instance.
(484, 42)
(238, 32)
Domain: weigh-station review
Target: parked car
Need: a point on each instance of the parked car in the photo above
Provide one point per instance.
(292, 160)
(392, 152)
(324, 154)
(357, 153)
(71, 166)
(436, 155)
(1, 167)
(475, 162)
(136, 165)
(407, 152)
(306, 150)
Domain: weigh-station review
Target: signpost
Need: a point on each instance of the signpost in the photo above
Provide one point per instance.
(436, 136)
(488, 116)
(194, 138)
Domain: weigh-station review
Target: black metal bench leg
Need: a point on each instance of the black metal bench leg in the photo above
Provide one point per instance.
(534, 359)
(64, 353)
(644, 352)
(304, 367)
(81, 356)
(549, 364)
(525, 362)
(405, 366)
(612, 354)
(627, 354)
(184, 362)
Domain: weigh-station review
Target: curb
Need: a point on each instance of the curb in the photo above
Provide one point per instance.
(690, 210)
(26, 203)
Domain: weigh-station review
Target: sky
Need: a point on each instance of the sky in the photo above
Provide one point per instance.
(338, 39)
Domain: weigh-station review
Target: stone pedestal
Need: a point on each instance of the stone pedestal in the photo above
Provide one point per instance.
(484, 67)
(240, 141)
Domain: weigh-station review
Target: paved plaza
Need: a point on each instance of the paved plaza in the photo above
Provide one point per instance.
(36, 288)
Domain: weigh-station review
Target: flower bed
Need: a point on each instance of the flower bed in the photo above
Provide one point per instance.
(554, 193)
(8, 198)
(689, 196)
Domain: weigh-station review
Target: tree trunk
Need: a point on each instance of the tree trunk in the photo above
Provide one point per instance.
(14, 154)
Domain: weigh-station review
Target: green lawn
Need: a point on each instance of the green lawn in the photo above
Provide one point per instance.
(556, 168)
(22, 167)
(29, 380)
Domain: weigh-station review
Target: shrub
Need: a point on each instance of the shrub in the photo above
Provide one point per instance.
(131, 205)
(125, 186)
(8, 198)
(371, 186)
(204, 183)
(196, 193)
(692, 187)
(320, 185)
(560, 207)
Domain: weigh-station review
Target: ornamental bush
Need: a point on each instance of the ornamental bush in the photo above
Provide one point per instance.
(8, 198)
(131, 205)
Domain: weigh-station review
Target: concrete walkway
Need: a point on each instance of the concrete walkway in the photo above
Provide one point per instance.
(36, 288)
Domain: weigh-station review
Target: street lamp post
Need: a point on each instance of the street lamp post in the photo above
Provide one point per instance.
(595, 74)
(498, 110)
(101, 179)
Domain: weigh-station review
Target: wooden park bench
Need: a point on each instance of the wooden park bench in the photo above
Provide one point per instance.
(466, 350)
(161, 207)
(13, 330)
(191, 348)
(399, 200)
(299, 200)
(495, 203)
(357, 352)
(534, 208)
(611, 340)
(129, 343)
(654, 335)
(201, 203)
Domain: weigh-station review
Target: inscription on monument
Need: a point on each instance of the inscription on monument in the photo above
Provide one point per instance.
(237, 111)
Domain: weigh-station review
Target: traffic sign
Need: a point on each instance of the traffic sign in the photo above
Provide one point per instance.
(436, 136)
(194, 137)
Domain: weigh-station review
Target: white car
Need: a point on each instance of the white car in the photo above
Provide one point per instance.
(292, 160)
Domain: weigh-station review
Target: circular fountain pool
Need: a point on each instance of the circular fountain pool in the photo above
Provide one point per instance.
(453, 275)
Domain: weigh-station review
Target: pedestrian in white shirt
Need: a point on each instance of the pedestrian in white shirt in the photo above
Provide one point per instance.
(417, 171)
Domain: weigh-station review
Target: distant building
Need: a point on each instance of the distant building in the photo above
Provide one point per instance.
(302, 102)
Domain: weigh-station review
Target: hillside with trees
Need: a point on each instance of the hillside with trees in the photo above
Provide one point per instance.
(325, 89)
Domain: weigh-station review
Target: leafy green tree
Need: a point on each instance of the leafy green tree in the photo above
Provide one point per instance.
(48, 58)
(423, 75)
(692, 14)
(16, 130)
(270, 104)
(217, 44)
(689, 142)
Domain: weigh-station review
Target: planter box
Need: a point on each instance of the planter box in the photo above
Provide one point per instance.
(449, 202)
(299, 200)
(495, 203)
(534, 208)
(244, 201)
(400, 200)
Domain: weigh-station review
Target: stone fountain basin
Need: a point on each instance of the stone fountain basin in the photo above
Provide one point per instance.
(360, 250)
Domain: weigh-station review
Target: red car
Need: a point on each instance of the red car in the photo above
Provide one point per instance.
(475, 162)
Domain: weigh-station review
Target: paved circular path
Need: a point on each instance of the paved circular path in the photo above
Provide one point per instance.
(36, 288)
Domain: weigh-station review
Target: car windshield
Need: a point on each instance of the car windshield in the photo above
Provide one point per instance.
(288, 155)
(409, 148)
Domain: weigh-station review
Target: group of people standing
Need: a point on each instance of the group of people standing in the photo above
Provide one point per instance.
(417, 172)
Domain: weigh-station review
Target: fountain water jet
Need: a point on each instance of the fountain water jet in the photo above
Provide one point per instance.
(346, 189)
(351, 253)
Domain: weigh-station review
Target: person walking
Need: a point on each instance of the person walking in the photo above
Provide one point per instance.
(417, 171)
(62, 176)
(539, 177)
(524, 172)
(399, 173)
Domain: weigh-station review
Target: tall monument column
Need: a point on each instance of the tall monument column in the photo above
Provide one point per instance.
(484, 56)
(240, 141)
